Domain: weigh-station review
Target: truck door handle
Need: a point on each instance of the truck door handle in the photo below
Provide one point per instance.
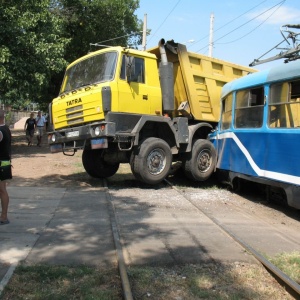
(145, 97)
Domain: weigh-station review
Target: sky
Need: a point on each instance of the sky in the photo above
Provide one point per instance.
(242, 30)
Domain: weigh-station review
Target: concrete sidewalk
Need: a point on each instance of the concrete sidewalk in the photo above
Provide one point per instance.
(157, 226)
(56, 225)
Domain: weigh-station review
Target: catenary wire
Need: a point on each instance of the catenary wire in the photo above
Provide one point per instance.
(221, 27)
(280, 3)
(152, 35)
(254, 27)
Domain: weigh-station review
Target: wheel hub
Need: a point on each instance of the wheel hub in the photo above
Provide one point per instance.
(156, 161)
(204, 161)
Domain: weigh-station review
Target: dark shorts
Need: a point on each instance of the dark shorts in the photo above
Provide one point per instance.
(30, 132)
(5, 172)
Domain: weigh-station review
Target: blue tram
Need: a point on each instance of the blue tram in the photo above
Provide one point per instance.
(258, 136)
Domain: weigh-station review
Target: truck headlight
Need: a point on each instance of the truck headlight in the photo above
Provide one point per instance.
(53, 138)
(97, 130)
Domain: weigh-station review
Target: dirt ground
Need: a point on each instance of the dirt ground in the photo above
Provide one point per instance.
(37, 166)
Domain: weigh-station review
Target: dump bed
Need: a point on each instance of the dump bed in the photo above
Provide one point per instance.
(198, 80)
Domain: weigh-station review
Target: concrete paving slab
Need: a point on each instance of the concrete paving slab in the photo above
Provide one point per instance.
(78, 233)
(249, 227)
(34, 193)
(30, 210)
(15, 247)
(159, 225)
(55, 226)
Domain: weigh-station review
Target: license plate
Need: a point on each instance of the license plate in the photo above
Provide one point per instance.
(99, 143)
(72, 134)
(56, 148)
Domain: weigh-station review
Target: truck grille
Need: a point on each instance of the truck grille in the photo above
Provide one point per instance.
(74, 114)
(74, 108)
(74, 121)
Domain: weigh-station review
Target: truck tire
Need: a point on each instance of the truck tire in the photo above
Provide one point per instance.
(199, 164)
(153, 161)
(132, 166)
(95, 165)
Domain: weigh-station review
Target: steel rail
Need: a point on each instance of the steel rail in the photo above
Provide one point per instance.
(294, 287)
(119, 250)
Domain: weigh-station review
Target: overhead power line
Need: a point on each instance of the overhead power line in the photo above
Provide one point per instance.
(119, 37)
(235, 29)
(221, 27)
(152, 35)
(254, 27)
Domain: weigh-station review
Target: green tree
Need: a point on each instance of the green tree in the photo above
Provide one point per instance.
(89, 22)
(32, 49)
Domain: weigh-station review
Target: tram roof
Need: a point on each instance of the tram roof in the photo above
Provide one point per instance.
(275, 74)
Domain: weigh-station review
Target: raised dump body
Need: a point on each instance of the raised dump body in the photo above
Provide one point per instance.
(198, 81)
(146, 108)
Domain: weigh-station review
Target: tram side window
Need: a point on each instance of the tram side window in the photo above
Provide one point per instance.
(284, 105)
(249, 108)
(226, 112)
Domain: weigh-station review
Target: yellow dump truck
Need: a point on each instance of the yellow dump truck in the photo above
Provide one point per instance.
(146, 108)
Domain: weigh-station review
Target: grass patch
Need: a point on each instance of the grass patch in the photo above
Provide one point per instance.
(206, 281)
(78, 167)
(289, 263)
(62, 282)
(189, 282)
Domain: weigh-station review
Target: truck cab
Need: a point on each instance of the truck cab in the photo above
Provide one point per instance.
(114, 79)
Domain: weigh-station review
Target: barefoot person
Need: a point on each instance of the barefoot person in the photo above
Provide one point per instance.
(5, 167)
(29, 128)
(40, 125)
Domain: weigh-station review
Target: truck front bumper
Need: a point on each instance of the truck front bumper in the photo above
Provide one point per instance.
(70, 139)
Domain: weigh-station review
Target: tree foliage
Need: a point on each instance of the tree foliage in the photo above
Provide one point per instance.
(39, 38)
(89, 22)
(32, 50)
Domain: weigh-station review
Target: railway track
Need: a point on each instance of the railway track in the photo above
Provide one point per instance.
(291, 286)
(127, 293)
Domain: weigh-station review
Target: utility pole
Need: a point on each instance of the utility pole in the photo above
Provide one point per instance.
(144, 43)
(211, 35)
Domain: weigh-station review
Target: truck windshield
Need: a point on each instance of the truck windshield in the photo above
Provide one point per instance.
(92, 70)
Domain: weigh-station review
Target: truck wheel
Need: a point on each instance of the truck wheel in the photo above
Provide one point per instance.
(133, 158)
(199, 164)
(153, 161)
(95, 166)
